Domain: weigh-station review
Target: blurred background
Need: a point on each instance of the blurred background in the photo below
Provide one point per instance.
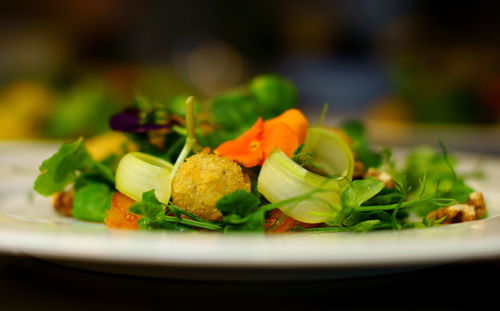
(66, 66)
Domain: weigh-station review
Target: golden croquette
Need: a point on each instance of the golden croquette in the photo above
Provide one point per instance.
(203, 179)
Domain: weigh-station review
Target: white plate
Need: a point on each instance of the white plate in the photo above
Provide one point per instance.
(28, 225)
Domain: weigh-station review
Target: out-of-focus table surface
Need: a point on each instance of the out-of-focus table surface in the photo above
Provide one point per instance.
(31, 284)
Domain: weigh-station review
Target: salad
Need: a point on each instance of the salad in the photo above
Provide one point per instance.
(249, 161)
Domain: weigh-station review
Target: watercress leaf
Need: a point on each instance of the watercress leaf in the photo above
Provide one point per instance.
(365, 226)
(364, 153)
(253, 222)
(274, 95)
(386, 196)
(90, 178)
(105, 171)
(215, 138)
(61, 169)
(360, 191)
(368, 156)
(239, 202)
(149, 205)
(160, 224)
(92, 201)
(234, 111)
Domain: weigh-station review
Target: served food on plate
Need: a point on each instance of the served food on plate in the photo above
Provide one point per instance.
(249, 161)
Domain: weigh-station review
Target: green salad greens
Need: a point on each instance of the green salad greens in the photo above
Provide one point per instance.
(248, 161)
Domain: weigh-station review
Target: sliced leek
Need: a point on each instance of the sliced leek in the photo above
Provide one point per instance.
(330, 152)
(281, 178)
(139, 172)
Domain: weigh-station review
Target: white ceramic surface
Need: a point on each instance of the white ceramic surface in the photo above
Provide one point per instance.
(28, 225)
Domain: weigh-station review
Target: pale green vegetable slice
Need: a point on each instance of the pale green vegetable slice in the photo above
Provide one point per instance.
(330, 152)
(281, 178)
(139, 172)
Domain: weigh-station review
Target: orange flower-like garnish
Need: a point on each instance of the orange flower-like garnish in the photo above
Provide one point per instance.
(284, 132)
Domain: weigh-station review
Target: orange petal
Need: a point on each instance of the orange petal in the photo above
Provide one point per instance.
(240, 149)
(295, 119)
(250, 159)
(280, 136)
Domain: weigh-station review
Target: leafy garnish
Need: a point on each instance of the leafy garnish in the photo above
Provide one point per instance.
(64, 167)
(235, 111)
(149, 206)
(156, 216)
(241, 212)
(92, 201)
(239, 202)
(274, 95)
(363, 226)
(361, 147)
(441, 180)
(360, 191)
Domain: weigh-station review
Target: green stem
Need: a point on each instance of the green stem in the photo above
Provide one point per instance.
(382, 207)
(192, 223)
(174, 208)
(190, 139)
(322, 114)
(437, 202)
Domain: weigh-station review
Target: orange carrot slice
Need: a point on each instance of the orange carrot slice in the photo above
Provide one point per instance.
(119, 216)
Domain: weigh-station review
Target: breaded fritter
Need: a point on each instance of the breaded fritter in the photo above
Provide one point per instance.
(203, 179)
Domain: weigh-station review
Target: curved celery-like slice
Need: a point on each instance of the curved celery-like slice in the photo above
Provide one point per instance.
(139, 172)
(330, 152)
(281, 178)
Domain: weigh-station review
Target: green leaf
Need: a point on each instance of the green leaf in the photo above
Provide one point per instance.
(239, 202)
(235, 111)
(365, 226)
(362, 149)
(274, 94)
(61, 169)
(241, 212)
(146, 223)
(360, 191)
(253, 222)
(440, 180)
(149, 206)
(92, 201)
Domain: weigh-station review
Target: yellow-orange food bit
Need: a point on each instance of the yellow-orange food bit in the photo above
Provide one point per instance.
(119, 216)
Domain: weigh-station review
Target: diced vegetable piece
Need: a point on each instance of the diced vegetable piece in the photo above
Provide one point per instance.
(277, 222)
(118, 216)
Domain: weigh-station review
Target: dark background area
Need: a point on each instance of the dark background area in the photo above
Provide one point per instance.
(65, 66)
(32, 284)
